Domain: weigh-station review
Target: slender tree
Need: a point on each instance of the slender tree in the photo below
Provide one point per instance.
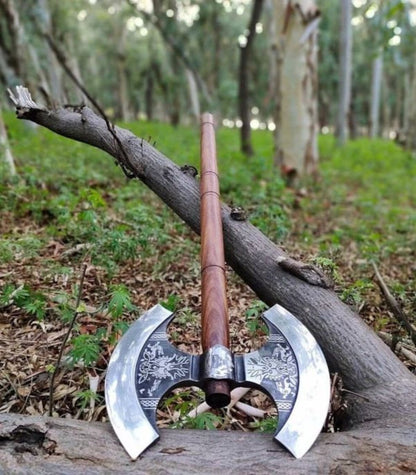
(297, 110)
(410, 124)
(5, 150)
(345, 53)
(376, 79)
(243, 89)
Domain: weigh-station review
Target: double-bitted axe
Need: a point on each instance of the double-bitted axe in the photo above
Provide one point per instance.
(290, 368)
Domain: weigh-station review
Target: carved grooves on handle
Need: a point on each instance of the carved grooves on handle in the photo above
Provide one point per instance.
(215, 329)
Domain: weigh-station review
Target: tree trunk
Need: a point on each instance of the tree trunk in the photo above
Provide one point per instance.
(378, 379)
(150, 82)
(377, 75)
(22, 50)
(54, 71)
(193, 94)
(5, 150)
(344, 72)
(410, 114)
(297, 115)
(45, 445)
(8, 75)
(123, 109)
(16, 32)
(271, 22)
(243, 80)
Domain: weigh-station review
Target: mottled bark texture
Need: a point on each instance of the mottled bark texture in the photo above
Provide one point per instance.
(36, 445)
(243, 79)
(345, 70)
(297, 105)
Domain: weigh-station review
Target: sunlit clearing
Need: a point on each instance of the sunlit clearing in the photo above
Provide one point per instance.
(254, 124)
(130, 24)
(259, 28)
(357, 20)
(144, 5)
(412, 16)
(359, 3)
(82, 15)
(372, 10)
(395, 40)
(188, 13)
(242, 41)
(228, 123)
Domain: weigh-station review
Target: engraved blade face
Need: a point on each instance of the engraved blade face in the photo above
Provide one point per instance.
(142, 368)
(310, 408)
(291, 368)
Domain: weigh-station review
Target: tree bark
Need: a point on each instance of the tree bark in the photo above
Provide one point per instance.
(123, 110)
(376, 94)
(243, 80)
(150, 82)
(378, 379)
(344, 72)
(5, 150)
(45, 445)
(22, 50)
(410, 111)
(297, 114)
(193, 94)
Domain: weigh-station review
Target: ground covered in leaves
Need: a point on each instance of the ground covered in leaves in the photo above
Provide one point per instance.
(71, 216)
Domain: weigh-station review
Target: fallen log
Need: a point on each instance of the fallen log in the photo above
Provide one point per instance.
(45, 445)
(376, 379)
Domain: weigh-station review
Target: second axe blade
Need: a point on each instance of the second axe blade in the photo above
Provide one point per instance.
(290, 367)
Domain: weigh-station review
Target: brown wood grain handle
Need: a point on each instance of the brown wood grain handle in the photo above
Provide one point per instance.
(215, 328)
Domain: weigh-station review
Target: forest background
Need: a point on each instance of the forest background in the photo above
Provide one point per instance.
(344, 203)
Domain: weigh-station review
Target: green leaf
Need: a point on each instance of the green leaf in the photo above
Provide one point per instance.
(171, 303)
(85, 348)
(120, 301)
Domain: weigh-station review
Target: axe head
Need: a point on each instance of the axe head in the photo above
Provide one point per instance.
(290, 368)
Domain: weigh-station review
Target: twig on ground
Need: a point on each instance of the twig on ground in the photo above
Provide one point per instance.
(407, 350)
(401, 317)
(236, 395)
(71, 326)
(78, 248)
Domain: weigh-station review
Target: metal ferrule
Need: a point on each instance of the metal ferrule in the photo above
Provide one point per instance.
(217, 363)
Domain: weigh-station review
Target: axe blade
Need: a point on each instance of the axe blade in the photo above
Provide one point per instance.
(311, 405)
(131, 399)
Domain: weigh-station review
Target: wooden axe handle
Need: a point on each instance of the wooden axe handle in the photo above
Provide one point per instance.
(215, 328)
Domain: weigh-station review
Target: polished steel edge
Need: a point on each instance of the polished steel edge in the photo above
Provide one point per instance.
(311, 406)
(126, 415)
